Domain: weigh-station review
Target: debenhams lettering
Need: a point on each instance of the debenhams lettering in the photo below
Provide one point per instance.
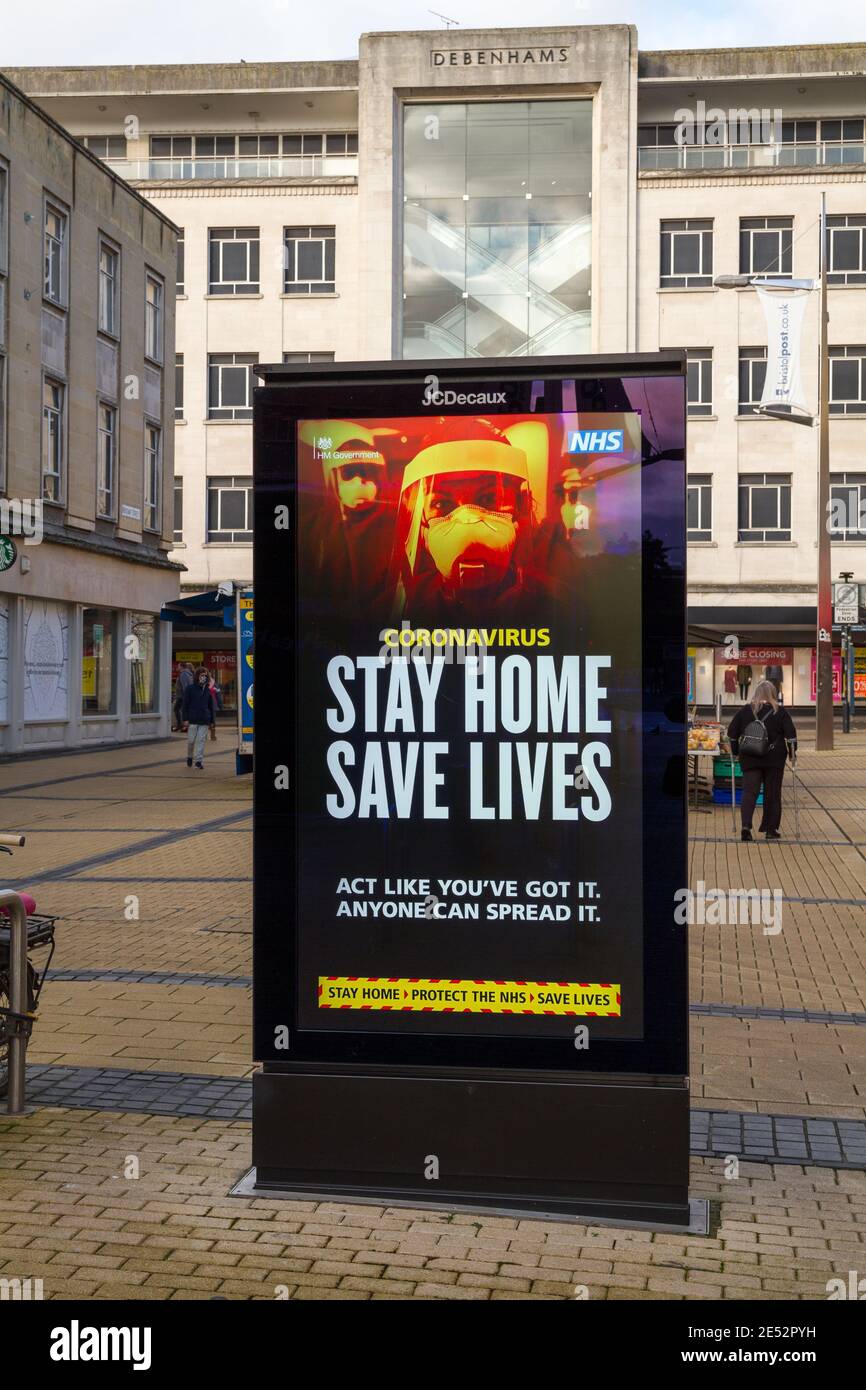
(495, 57)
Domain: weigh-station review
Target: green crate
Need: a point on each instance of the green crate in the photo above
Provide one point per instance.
(722, 767)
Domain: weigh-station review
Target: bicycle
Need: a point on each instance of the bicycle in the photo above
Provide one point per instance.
(40, 936)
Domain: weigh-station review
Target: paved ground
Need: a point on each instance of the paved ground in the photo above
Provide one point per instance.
(117, 1185)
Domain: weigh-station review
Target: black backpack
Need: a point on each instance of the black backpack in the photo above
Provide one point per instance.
(755, 741)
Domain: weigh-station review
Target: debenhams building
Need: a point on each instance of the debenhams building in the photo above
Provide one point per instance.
(540, 191)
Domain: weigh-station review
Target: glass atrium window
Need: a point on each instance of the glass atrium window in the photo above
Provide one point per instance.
(497, 228)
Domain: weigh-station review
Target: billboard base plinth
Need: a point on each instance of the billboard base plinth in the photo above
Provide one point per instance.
(599, 1149)
(249, 1186)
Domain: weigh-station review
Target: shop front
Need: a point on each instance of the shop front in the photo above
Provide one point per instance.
(82, 650)
(222, 665)
(734, 678)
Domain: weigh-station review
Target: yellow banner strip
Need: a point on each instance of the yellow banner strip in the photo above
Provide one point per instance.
(552, 997)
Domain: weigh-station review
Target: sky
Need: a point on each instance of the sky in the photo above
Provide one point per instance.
(83, 32)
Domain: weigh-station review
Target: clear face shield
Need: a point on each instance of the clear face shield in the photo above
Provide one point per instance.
(463, 510)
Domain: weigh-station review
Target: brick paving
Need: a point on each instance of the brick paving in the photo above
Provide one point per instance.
(151, 994)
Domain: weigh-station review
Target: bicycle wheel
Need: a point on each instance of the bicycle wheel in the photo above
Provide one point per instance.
(4, 1021)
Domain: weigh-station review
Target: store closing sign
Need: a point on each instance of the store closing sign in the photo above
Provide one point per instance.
(784, 311)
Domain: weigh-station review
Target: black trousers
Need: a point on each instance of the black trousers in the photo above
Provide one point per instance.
(744, 689)
(771, 777)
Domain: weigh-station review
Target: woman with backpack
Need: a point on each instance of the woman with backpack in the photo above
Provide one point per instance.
(763, 736)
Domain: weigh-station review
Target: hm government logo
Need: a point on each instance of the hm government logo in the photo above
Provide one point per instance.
(433, 395)
(595, 441)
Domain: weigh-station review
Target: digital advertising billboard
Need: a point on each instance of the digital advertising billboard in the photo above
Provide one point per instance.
(470, 653)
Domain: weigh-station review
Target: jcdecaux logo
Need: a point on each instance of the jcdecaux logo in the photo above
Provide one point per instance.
(595, 441)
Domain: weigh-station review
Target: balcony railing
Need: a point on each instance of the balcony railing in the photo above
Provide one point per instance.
(770, 156)
(268, 167)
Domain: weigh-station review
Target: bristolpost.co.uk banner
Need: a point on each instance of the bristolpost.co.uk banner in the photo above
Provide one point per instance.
(469, 745)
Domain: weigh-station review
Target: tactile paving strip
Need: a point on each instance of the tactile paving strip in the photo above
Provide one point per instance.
(801, 1139)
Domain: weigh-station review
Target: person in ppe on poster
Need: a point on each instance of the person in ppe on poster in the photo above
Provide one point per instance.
(465, 519)
(348, 531)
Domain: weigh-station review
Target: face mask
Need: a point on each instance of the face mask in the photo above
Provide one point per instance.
(471, 547)
(356, 494)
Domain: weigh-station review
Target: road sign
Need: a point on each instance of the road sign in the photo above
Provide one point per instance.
(846, 602)
(8, 553)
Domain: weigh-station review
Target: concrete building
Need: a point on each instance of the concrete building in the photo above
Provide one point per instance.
(86, 443)
(507, 192)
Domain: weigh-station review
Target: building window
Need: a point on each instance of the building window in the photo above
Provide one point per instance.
(97, 663)
(4, 219)
(309, 256)
(753, 374)
(153, 318)
(233, 260)
(4, 266)
(831, 140)
(105, 146)
(2, 419)
(178, 507)
(846, 249)
(848, 380)
(180, 285)
(848, 506)
(170, 146)
(302, 357)
(766, 245)
(699, 507)
(106, 461)
(230, 385)
(152, 472)
(497, 228)
(764, 507)
(56, 253)
(699, 381)
(686, 253)
(258, 146)
(109, 286)
(178, 386)
(53, 423)
(143, 687)
(317, 143)
(229, 510)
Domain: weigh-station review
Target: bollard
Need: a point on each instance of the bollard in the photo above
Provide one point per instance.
(17, 997)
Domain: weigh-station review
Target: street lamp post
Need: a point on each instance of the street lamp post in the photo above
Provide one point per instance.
(824, 643)
(824, 606)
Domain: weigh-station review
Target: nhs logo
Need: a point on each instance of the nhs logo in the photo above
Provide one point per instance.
(595, 441)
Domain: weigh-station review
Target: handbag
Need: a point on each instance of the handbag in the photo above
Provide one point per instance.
(213, 731)
(755, 741)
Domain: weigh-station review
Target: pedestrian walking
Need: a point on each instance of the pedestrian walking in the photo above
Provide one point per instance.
(199, 715)
(763, 736)
(184, 678)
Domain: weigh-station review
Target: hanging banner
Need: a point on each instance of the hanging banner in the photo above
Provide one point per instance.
(784, 311)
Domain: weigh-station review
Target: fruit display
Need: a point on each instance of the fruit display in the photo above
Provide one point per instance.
(704, 738)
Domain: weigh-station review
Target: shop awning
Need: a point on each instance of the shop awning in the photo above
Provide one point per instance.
(206, 611)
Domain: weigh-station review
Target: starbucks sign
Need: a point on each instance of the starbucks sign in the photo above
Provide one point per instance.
(8, 553)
